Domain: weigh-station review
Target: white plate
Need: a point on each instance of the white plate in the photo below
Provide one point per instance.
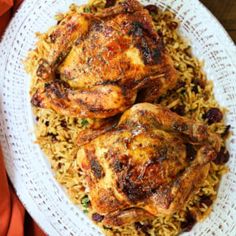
(29, 170)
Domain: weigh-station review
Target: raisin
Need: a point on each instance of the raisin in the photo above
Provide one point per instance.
(138, 225)
(53, 37)
(188, 51)
(213, 115)
(226, 131)
(75, 121)
(97, 217)
(195, 89)
(159, 32)
(143, 227)
(180, 110)
(199, 82)
(206, 200)
(47, 123)
(152, 9)
(181, 84)
(173, 25)
(222, 156)
(63, 124)
(110, 3)
(169, 40)
(189, 222)
(190, 151)
(53, 137)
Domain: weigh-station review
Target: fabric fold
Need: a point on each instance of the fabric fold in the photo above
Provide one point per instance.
(14, 220)
(5, 5)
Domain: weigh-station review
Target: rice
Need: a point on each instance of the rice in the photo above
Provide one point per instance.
(57, 134)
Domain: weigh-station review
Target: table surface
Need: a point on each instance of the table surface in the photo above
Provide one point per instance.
(225, 12)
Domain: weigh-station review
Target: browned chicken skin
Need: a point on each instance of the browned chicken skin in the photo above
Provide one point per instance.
(109, 58)
(141, 167)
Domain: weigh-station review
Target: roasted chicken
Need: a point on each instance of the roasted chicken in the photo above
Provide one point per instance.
(143, 167)
(102, 61)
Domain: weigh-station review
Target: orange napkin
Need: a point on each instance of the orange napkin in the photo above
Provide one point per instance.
(14, 220)
(7, 9)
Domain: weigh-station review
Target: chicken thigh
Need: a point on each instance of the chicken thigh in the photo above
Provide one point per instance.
(141, 167)
(110, 57)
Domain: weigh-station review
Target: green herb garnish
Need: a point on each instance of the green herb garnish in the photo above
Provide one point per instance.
(85, 203)
(87, 10)
(85, 200)
(84, 122)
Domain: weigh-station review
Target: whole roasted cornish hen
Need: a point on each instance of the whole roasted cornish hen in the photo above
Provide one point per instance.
(143, 167)
(102, 61)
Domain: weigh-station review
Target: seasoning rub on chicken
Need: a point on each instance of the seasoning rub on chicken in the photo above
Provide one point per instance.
(100, 62)
(143, 166)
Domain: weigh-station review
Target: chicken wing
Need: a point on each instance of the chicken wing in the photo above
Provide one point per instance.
(61, 40)
(141, 168)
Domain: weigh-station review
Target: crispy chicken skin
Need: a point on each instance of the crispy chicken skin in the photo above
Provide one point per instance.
(141, 168)
(110, 57)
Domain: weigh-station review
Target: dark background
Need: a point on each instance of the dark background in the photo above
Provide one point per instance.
(225, 12)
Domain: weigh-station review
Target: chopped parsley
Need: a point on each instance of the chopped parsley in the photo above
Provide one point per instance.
(85, 203)
(87, 10)
(84, 122)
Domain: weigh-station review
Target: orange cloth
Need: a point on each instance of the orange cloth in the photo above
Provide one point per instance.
(14, 220)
